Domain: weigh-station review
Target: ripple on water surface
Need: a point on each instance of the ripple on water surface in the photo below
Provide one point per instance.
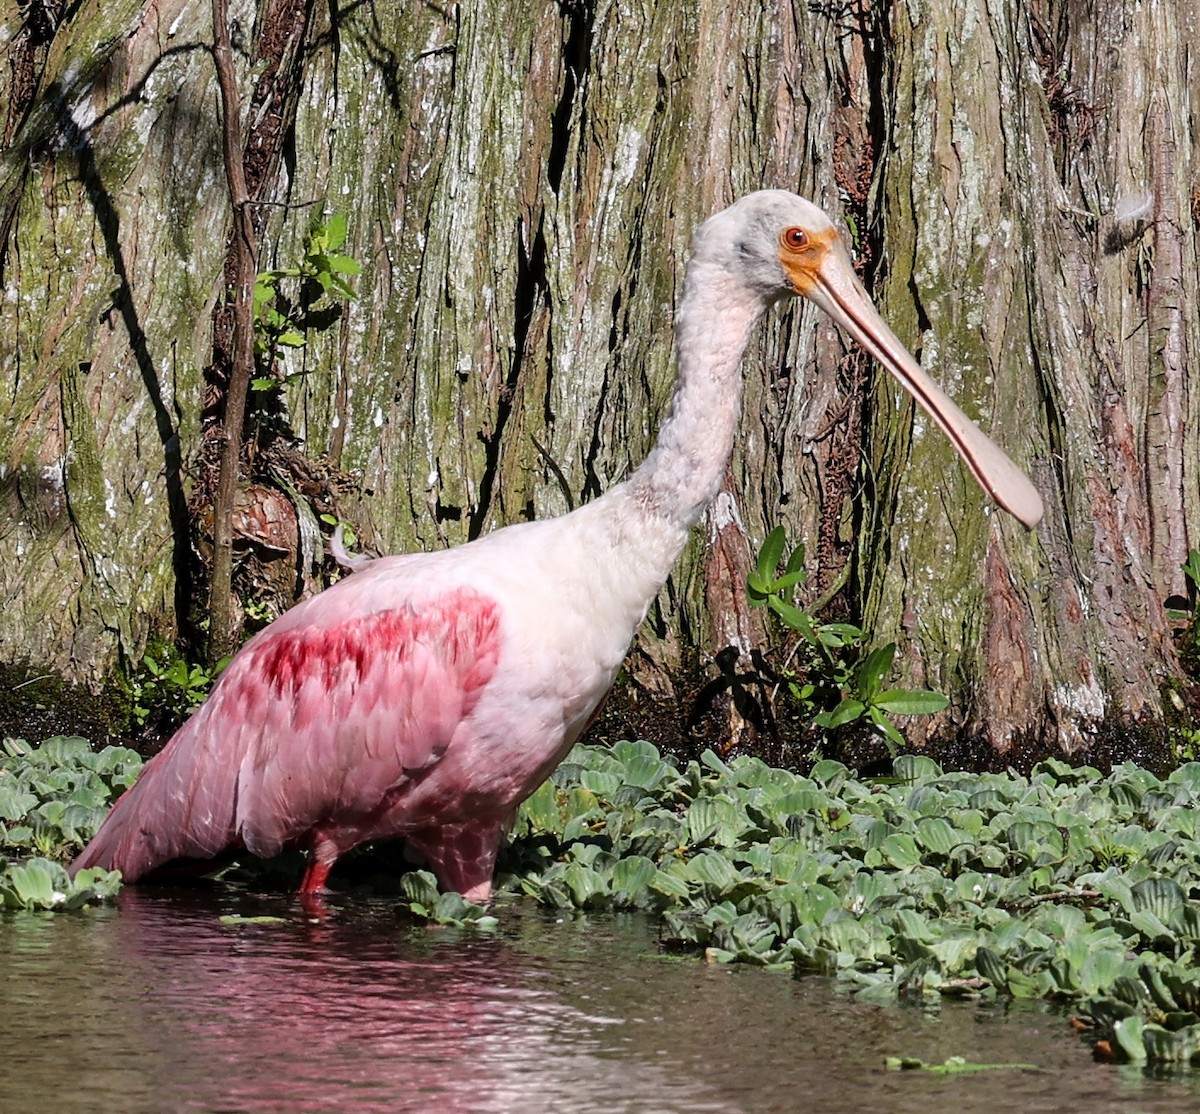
(158, 1006)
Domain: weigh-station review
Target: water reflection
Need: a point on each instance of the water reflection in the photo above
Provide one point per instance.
(347, 1014)
(158, 1006)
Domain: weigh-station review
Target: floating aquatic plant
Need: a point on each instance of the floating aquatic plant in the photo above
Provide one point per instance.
(1065, 885)
(39, 883)
(52, 798)
(955, 1065)
(448, 910)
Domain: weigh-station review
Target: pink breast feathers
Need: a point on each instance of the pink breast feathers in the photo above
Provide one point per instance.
(456, 636)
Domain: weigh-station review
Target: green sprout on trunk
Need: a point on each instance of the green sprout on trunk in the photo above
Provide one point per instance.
(290, 301)
(837, 681)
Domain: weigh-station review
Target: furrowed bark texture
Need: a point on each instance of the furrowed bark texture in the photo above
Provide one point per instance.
(110, 194)
(1040, 247)
(242, 268)
(522, 182)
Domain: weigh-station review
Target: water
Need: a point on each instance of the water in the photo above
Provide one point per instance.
(157, 1006)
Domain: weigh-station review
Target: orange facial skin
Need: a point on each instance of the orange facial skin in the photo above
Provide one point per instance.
(802, 254)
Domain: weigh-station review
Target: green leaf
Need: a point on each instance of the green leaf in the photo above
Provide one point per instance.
(603, 783)
(15, 802)
(847, 711)
(644, 769)
(936, 834)
(264, 291)
(1164, 1046)
(887, 729)
(788, 580)
(1128, 1032)
(911, 702)
(632, 876)
(758, 587)
(1151, 928)
(584, 883)
(1191, 569)
(420, 887)
(841, 634)
(900, 849)
(713, 761)
(35, 884)
(703, 817)
(670, 885)
(714, 870)
(580, 824)
(344, 265)
(793, 617)
(66, 750)
(1100, 969)
(873, 670)
(1160, 896)
(771, 553)
(916, 768)
(334, 231)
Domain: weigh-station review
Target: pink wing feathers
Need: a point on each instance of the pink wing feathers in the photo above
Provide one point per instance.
(318, 721)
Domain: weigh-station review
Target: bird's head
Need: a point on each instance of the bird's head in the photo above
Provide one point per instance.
(768, 241)
(775, 244)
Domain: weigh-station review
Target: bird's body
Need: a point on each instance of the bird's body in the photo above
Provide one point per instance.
(417, 696)
(427, 695)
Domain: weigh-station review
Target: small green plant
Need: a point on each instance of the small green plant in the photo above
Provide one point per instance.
(258, 614)
(1183, 608)
(837, 681)
(1185, 731)
(349, 537)
(172, 690)
(44, 885)
(289, 301)
(1185, 744)
(449, 910)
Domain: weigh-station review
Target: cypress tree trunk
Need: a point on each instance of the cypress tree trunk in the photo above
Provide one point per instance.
(1040, 242)
(521, 182)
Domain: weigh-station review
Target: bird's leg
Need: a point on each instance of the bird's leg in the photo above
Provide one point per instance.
(315, 874)
(463, 856)
(323, 852)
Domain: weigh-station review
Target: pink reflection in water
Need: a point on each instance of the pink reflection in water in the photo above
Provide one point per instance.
(156, 1007)
(345, 1016)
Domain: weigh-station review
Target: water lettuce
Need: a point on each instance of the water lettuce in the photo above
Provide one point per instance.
(1066, 885)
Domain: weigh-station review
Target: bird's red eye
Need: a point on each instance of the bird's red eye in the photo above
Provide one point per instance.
(795, 238)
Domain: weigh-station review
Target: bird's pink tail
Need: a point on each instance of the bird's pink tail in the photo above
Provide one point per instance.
(119, 844)
(171, 812)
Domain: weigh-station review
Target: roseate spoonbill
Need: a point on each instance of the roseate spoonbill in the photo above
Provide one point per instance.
(425, 696)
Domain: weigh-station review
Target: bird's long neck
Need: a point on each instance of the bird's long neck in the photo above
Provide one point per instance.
(637, 529)
(643, 524)
(683, 472)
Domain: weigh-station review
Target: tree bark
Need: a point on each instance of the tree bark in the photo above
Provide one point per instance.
(1060, 323)
(223, 613)
(522, 181)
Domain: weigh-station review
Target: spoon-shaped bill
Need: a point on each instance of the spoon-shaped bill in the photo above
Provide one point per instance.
(838, 292)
